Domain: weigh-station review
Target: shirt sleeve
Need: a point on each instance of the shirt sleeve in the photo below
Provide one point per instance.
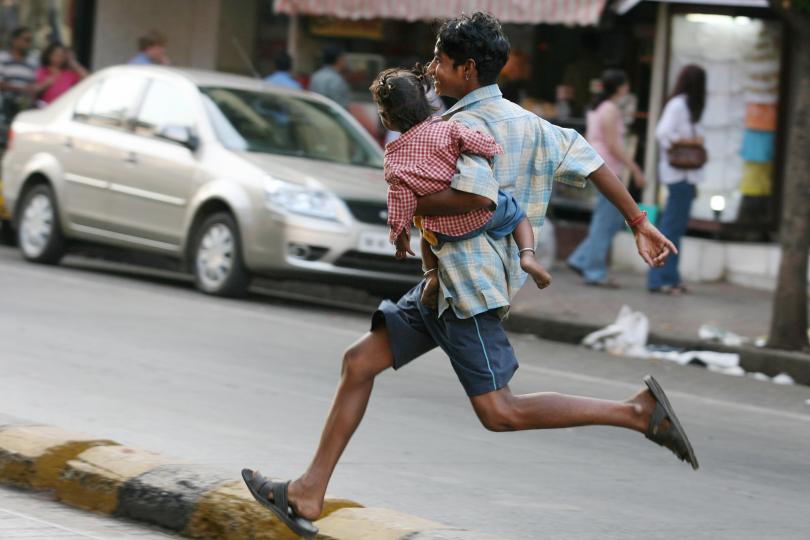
(666, 132)
(577, 158)
(470, 141)
(474, 174)
(401, 209)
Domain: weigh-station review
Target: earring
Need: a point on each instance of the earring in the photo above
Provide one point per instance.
(466, 76)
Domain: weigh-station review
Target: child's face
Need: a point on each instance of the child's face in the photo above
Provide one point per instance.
(447, 80)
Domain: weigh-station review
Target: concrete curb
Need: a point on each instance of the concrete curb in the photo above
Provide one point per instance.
(752, 359)
(196, 501)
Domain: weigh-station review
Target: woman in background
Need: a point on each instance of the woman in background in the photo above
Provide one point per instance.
(605, 131)
(680, 122)
(58, 72)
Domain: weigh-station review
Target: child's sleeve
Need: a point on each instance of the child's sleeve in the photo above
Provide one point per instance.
(470, 141)
(401, 208)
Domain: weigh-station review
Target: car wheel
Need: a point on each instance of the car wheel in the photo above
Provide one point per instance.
(39, 234)
(217, 257)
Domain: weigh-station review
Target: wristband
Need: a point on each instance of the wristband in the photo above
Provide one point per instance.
(429, 270)
(638, 220)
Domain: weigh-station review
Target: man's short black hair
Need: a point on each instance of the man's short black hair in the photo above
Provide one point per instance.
(331, 53)
(479, 37)
(283, 61)
(19, 31)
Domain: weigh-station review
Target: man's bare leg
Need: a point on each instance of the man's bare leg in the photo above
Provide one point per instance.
(362, 362)
(502, 411)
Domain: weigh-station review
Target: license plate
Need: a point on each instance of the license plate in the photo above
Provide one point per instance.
(378, 244)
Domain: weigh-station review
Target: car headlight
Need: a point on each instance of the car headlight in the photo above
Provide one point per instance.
(279, 195)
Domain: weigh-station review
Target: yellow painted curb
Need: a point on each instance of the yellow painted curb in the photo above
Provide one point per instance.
(92, 480)
(372, 524)
(230, 512)
(33, 456)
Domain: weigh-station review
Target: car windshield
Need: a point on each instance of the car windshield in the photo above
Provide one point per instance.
(250, 121)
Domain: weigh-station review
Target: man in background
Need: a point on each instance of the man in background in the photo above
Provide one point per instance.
(281, 76)
(328, 80)
(17, 74)
(152, 47)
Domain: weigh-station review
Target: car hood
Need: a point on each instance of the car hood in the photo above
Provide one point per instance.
(349, 182)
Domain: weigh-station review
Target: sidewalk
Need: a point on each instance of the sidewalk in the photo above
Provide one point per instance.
(568, 310)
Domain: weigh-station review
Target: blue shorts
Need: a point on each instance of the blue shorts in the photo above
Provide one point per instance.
(479, 350)
(503, 222)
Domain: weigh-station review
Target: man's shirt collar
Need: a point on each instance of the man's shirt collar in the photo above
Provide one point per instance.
(479, 94)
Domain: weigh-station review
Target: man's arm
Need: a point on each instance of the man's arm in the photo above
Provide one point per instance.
(473, 187)
(451, 201)
(653, 246)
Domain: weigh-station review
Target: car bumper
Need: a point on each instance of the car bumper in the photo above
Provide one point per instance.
(283, 245)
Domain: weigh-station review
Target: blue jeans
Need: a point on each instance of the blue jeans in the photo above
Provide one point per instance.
(590, 257)
(673, 226)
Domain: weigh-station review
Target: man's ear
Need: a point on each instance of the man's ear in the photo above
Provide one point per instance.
(471, 69)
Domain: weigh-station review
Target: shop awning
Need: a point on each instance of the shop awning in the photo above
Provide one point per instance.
(567, 12)
(623, 6)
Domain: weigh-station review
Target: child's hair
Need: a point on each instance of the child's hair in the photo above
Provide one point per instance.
(402, 95)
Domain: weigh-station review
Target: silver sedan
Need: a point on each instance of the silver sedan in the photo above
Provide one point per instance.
(225, 174)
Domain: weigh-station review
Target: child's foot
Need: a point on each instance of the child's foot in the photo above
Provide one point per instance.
(539, 274)
(430, 292)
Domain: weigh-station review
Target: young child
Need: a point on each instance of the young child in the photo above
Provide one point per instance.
(423, 161)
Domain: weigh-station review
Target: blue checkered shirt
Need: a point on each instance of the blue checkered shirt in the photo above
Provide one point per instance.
(481, 273)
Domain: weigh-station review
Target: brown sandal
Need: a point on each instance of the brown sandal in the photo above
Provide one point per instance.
(673, 436)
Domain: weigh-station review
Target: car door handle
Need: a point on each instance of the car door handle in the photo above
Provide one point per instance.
(68, 142)
(131, 158)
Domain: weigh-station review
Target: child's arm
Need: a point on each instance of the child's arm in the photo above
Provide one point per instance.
(401, 209)
(452, 201)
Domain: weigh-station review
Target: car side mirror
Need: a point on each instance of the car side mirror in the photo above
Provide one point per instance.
(181, 135)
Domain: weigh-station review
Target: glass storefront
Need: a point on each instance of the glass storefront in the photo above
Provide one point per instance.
(742, 59)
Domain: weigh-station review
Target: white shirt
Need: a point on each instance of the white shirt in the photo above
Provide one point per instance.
(674, 125)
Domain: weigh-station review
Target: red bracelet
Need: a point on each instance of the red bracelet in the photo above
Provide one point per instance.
(637, 220)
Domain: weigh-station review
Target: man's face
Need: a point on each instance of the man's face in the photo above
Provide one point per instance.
(23, 42)
(447, 80)
(156, 53)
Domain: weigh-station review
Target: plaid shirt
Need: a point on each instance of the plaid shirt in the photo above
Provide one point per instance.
(481, 273)
(423, 161)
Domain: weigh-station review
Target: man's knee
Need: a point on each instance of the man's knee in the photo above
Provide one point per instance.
(497, 415)
(364, 360)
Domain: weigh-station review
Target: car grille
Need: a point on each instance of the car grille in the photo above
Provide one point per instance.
(369, 212)
(379, 263)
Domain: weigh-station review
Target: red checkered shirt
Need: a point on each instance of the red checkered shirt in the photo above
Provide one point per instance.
(423, 161)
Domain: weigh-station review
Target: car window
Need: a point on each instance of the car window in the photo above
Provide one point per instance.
(117, 100)
(289, 125)
(164, 105)
(84, 106)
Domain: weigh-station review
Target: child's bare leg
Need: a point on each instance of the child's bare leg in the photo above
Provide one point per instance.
(524, 238)
(430, 293)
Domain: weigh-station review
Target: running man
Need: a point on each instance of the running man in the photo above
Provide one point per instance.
(478, 276)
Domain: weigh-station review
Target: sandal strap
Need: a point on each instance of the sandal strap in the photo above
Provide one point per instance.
(665, 437)
(280, 496)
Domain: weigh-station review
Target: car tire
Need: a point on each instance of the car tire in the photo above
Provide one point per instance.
(39, 234)
(216, 257)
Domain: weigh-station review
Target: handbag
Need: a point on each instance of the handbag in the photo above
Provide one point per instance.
(687, 155)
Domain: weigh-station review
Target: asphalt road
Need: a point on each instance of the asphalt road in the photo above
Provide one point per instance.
(149, 362)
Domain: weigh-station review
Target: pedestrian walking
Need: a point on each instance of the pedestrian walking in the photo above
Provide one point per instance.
(477, 276)
(679, 124)
(328, 81)
(18, 74)
(151, 50)
(605, 131)
(281, 76)
(58, 72)
(423, 161)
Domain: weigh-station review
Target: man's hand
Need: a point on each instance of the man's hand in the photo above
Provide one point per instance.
(653, 246)
(403, 244)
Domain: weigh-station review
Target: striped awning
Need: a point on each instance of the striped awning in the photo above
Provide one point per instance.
(567, 12)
